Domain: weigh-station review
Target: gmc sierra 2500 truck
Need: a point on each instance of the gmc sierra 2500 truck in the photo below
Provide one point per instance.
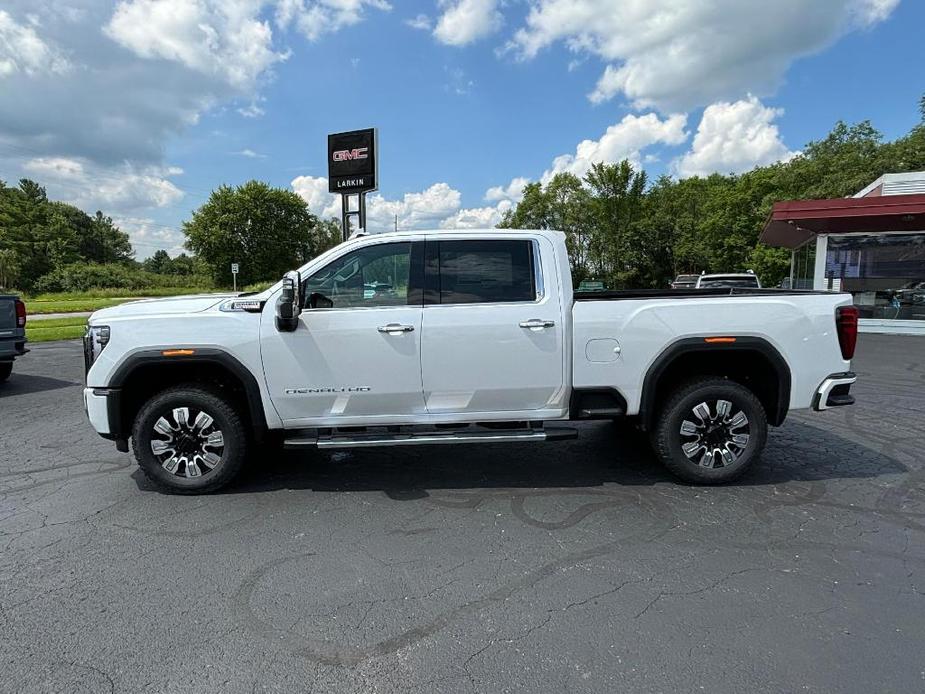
(457, 337)
(12, 333)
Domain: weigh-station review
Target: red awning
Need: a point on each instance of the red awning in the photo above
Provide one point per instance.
(792, 223)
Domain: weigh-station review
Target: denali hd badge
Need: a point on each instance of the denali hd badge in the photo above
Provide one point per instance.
(315, 391)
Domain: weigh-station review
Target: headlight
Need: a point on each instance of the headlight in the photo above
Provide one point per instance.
(95, 341)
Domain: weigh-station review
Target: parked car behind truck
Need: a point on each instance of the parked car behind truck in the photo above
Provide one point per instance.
(481, 339)
(12, 332)
(728, 279)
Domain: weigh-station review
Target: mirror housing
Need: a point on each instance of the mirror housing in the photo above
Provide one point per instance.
(289, 303)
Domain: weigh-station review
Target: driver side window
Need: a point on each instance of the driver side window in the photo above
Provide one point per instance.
(373, 276)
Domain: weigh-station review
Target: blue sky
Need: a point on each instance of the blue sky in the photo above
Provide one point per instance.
(142, 107)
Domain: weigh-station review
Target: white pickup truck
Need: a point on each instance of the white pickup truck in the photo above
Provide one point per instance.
(457, 337)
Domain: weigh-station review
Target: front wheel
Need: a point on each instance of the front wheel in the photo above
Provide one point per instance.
(6, 368)
(189, 440)
(710, 431)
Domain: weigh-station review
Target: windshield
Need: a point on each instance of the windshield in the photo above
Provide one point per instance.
(728, 282)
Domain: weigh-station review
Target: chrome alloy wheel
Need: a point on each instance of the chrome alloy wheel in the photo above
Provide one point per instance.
(187, 449)
(714, 436)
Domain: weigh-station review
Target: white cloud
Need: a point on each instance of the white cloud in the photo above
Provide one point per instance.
(253, 109)
(102, 87)
(250, 154)
(221, 38)
(734, 137)
(512, 192)
(436, 207)
(477, 217)
(55, 167)
(314, 190)
(23, 50)
(678, 54)
(92, 187)
(316, 18)
(147, 236)
(465, 21)
(421, 22)
(868, 12)
(458, 82)
(424, 210)
(623, 140)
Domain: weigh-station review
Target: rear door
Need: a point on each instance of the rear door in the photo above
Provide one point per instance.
(493, 336)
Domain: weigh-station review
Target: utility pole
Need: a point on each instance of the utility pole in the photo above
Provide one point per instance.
(396, 222)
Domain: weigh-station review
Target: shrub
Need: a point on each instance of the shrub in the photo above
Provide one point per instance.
(80, 277)
(257, 286)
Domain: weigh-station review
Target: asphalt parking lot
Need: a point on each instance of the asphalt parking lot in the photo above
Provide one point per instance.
(570, 567)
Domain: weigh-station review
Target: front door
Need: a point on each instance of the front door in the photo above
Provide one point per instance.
(357, 354)
(494, 339)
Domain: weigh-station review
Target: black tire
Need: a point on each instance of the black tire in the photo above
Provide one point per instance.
(6, 368)
(715, 434)
(190, 439)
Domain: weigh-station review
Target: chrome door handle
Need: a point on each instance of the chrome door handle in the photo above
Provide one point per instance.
(395, 328)
(536, 323)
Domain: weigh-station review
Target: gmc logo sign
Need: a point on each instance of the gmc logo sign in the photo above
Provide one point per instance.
(351, 161)
(350, 154)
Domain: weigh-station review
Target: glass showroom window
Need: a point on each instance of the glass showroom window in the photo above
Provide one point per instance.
(884, 272)
(804, 261)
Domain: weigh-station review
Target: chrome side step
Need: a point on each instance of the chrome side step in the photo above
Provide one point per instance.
(427, 438)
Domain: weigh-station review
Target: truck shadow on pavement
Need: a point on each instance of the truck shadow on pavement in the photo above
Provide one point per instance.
(606, 454)
(23, 384)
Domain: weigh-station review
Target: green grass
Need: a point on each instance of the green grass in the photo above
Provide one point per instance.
(73, 302)
(55, 329)
(116, 293)
(71, 306)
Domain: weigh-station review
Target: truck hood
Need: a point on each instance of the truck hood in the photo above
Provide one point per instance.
(159, 307)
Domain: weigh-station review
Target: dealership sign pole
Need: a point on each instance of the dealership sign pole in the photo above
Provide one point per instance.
(353, 170)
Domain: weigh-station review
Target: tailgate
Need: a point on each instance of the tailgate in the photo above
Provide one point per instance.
(7, 315)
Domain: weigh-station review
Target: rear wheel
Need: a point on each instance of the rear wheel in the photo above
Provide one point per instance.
(189, 440)
(6, 368)
(710, 431)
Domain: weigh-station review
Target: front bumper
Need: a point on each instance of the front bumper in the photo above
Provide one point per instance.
(834, 391)
(96, 404)
(103, 407)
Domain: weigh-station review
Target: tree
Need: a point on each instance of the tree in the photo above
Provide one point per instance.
(9, 268)
(113, 245)
(267, 230)
(45, 235)
(158, 263)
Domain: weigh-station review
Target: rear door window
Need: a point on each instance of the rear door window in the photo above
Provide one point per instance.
(486, 271)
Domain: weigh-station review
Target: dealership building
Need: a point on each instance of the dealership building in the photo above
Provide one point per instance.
(871, 245)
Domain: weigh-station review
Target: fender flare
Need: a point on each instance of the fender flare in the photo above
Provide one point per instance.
(201, 355)
(689, 345)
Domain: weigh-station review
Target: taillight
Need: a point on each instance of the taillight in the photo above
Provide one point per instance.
(846, 322)
(20, 314)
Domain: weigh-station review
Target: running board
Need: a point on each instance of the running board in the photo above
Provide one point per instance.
(430, 438)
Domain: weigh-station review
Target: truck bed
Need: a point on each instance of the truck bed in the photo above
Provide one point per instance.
(618, 335)
(618, 294)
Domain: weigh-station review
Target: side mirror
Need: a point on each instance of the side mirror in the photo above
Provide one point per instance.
(289, 304)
